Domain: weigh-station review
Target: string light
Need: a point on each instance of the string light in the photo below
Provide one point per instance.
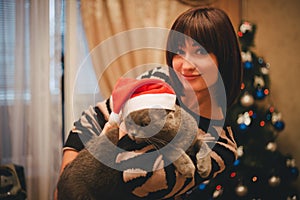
(242, 86)
(254, 178)
(266, 91)
(233, 174)
(250, 112)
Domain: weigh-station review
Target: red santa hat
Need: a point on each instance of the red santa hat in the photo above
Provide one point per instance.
(131, 95)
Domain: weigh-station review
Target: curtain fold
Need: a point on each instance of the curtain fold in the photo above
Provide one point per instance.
(31, 135)
(104, 19)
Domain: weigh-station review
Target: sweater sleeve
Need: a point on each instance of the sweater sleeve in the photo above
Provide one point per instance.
(223, 151)
(93, 119)
(88, 125)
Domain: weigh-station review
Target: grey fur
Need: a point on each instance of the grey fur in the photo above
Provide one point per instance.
(89, 179)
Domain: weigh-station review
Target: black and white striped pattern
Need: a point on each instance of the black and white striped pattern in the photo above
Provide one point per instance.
(166, 182)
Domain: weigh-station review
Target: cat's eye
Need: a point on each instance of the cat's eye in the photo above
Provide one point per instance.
(144, 124)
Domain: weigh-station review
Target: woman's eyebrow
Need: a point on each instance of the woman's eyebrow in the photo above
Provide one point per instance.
(196, 44)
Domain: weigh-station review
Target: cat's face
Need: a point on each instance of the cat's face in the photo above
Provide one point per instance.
(155, 126)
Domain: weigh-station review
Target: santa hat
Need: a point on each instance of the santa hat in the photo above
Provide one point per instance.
(131, 95)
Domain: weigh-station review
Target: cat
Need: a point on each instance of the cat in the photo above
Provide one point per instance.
(94, 173)
(174, 131)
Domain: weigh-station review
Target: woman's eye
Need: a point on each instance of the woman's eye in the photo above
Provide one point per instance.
(201, 51)
(180, 52)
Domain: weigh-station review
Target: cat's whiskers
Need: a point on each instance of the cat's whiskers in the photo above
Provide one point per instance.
(157, 142)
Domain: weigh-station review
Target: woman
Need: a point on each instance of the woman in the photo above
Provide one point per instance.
(205, 70)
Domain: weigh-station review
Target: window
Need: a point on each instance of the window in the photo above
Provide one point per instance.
(15, 49)
(9, 33)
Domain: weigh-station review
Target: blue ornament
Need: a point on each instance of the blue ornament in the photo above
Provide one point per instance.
(236, 162)
(259, 93)
(243, 126)
(202, 186)
(279, 125)
(248, 65)
(294, 173)
(269, 116)
(260, 60)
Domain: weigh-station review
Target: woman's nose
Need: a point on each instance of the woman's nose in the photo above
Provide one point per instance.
(187, 64)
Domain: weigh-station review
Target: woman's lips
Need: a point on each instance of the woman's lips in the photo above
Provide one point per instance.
(190, 77)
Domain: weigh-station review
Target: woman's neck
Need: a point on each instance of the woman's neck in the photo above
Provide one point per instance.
(204, 104)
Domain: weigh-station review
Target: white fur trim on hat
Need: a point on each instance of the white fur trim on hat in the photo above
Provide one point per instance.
(161, 101)
(114, 119)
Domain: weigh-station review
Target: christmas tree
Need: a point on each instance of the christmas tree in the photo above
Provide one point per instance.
(261, 171)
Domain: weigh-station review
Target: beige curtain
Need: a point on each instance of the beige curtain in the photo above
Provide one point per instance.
(107, 21)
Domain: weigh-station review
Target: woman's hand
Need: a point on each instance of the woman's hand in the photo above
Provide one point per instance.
(122, 129)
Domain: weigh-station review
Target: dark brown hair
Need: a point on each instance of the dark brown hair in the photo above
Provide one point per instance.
(212, 29)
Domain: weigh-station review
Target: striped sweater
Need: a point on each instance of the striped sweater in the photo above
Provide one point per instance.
(163, 183)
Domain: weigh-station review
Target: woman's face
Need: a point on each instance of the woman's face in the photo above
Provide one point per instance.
(195, 68)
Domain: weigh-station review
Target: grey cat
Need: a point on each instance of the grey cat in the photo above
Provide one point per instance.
(172, 132)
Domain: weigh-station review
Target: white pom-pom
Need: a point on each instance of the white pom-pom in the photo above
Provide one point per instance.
(114, 118)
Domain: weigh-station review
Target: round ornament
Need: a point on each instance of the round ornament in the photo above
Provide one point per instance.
(241, 190)
(290, 162)
(246, 56)
(271, 146)
(293, 172)
(240, 151)
(276, 117)
(218, 192)
(248, 65)
(246, 26)
(277, 122)
(260, 60)
(279, 125)
(292, 197)
(259, 93)
(237, 162)
(274, 181)
(258, 81)
(202, 186)
(244, 120)
(247, 100)
(265, 69)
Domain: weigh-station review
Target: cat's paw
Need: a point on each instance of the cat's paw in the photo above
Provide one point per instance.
(185, 166)
(203, 158)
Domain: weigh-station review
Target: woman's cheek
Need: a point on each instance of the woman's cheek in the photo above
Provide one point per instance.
(210, 74)
(176, 64)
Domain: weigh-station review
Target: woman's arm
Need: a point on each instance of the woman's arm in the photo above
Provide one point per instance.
(88, 124)
(68, 156)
